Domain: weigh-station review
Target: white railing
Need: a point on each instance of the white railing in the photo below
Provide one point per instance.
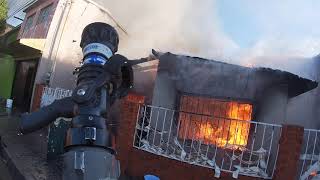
(51, 94)
(309, 165)
(158, 131)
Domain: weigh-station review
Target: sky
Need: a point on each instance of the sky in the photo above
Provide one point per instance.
(278, 34)
(290, 24)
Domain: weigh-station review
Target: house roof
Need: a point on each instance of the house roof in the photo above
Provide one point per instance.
(15, 9)
(296, 85)
(10, 45)
(272, 77)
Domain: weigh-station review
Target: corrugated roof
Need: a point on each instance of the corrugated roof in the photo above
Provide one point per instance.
(18, 5)
(16, 8)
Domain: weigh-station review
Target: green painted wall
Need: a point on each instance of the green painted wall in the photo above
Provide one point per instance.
(7, 71)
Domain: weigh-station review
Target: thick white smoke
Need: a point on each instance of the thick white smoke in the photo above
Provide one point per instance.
(179, 26)
(288, 55)
(193, 27)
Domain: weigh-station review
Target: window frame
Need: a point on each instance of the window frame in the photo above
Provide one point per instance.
(41, 19)
(27, 27)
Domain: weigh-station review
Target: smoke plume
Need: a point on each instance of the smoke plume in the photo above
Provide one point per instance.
(194, 28)
(179, 26)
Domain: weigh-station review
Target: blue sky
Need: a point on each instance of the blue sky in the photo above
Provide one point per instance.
(290, 22)
(238, 22)
(282, 34)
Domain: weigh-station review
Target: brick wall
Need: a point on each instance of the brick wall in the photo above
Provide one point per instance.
(141, 163)
(137, 163)
(124, 140)
(36, 100)
(289, 152)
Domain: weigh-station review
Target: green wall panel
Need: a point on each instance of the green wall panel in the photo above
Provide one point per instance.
(7, 71)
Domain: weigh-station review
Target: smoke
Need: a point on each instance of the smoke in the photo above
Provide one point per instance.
(288, 55)
(288, 37)
(180, 26)
(194, 28)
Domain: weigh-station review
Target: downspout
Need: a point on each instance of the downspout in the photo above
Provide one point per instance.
(56, 32)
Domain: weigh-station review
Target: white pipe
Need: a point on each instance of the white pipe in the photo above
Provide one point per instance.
(56, 32)
(50, 49)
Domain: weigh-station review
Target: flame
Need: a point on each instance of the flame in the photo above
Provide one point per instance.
(313, 173)
(230, 131)
(239, 130)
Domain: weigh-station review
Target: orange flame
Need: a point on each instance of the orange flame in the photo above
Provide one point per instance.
(239, 130)
(230, 131)
(313, 173)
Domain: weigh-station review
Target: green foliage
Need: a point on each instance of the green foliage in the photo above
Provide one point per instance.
(3, 14)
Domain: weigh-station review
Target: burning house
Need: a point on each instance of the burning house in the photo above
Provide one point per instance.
(205, 119)
(195, 118)
(213, 115)
(258, 93)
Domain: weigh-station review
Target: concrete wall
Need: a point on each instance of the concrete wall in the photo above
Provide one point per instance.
(62, 52)
(144, 79)
(304, 110)
(273, 105)
(165, 93)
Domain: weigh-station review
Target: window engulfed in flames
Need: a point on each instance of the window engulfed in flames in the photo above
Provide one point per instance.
(219, 122)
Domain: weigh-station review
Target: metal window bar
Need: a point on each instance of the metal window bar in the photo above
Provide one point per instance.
(257, 158)
(247, 132)
(138, 130)
(234, 138)
(309, 165)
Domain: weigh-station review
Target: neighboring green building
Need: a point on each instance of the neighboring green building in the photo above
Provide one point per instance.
(7, 63)
(7, 72)
(18, 68)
